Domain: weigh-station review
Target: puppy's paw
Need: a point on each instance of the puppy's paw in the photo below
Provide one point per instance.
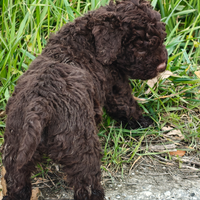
(143, 122)
(97, 195)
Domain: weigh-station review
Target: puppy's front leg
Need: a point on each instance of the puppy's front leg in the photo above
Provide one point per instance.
(121, 105)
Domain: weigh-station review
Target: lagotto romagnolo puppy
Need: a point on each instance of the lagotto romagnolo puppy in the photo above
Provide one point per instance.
(57, 103)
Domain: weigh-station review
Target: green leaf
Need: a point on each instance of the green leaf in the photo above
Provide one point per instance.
(6, 94)
(154, 2)
(69, 10)
(185, 12)
(32, 57)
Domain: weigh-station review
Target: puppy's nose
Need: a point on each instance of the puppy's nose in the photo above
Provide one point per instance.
(161, 67)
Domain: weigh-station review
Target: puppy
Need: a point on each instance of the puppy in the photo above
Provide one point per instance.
(57, 103)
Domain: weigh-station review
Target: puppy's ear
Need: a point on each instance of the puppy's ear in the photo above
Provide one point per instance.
(108, 39)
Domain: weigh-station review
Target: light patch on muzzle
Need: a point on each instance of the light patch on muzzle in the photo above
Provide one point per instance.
(161, 67)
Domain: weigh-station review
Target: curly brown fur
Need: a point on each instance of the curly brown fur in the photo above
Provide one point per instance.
(57, 103)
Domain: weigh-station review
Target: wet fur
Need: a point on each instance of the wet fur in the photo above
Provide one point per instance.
(57, 103)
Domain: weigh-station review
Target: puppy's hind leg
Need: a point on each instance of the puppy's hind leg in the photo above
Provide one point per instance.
(79, 152)
(85, 174)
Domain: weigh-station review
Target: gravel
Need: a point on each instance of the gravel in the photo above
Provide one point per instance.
(147, 184)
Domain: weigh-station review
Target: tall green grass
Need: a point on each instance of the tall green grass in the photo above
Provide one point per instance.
(25, 26)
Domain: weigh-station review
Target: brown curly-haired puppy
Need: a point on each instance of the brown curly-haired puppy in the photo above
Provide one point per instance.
(58, 102)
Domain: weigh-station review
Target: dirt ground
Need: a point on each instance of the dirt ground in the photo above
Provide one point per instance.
(155, 182)
(148, 179)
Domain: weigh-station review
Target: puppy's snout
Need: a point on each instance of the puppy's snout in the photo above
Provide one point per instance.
(161, 67)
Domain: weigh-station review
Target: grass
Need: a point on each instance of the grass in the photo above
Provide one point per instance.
(25, 26)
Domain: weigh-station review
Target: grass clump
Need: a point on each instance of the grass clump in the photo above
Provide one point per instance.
(173, 101)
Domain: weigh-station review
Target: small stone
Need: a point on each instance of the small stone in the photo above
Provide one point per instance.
(123, 194)
(128, 198)
(167, 193)
(110, 185)
(118, 196)
(119, 185)
(192, 194)
(147, 193)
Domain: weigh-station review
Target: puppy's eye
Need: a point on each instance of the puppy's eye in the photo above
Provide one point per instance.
(157, 60)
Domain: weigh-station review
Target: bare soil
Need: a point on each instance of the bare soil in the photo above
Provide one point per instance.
(148, 179)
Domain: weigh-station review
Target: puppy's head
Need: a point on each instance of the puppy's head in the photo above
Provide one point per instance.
(130, 35)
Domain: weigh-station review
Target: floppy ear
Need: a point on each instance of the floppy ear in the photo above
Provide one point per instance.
(108, 38)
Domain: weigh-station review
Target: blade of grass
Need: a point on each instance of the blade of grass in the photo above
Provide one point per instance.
(137, 147)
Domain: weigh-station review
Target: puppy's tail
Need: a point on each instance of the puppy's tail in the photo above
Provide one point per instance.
(32, 124)
(32, 136)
